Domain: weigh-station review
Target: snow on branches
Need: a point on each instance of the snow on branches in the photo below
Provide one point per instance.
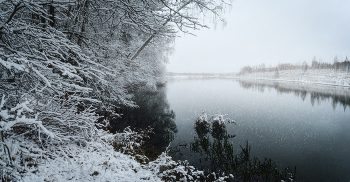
(60, 61)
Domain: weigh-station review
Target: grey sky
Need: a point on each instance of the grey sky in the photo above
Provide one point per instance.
(270, 32)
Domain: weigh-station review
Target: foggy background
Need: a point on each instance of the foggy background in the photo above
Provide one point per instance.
(267, 31)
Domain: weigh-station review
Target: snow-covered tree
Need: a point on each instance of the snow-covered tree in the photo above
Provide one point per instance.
(48, 88)
(135, 36)
(314, 63)
(335, 63)
(62, 60)
(304, 66)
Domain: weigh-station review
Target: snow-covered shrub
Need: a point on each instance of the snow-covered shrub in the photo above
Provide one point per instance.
(215, 124)
(202, 125)
(170, 170)
(218, 120)
(31, 136)
(203, 118)
(130, 142)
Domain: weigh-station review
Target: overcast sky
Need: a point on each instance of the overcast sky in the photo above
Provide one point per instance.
(270, 32)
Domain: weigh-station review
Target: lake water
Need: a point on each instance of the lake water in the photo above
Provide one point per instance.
(293, 124)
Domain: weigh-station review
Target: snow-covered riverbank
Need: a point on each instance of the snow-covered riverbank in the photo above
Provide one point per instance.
(97, 160)
(317, 76)
(324, 77)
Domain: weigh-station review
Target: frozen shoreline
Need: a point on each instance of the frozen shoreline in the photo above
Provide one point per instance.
(320, 77)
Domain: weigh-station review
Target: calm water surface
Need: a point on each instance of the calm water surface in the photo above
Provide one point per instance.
(292, 126)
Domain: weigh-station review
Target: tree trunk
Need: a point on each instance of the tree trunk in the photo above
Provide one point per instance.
(52, 16)
(85, 21)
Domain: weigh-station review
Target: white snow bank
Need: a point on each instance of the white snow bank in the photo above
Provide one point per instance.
(100, 162)
(324, 77)
(95, 162)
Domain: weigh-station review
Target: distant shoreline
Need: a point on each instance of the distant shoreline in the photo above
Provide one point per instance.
(317, 76)
(172, 74)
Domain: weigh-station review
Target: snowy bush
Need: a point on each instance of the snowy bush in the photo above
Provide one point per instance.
(219, 119)
(30, 136)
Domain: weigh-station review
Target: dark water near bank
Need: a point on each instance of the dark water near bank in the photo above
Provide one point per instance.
(153, 112)
(294, 125)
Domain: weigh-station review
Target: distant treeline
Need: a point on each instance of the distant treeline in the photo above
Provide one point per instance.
(337, 65)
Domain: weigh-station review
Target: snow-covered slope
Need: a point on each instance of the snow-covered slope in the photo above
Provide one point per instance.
(96, 162)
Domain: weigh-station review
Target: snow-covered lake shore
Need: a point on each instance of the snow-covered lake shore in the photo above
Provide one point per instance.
(311, 76)
(323, 77)
(98, 161)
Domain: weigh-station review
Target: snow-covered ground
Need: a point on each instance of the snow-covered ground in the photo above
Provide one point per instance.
(324, 77)
(98, 161)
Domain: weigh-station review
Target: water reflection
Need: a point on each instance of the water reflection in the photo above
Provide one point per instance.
(338, 95)
(280, 126)
(153, 112)
(214, 144)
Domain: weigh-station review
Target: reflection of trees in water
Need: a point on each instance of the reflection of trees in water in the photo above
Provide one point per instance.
(213, 143)
(154, 112)
(342, 99)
